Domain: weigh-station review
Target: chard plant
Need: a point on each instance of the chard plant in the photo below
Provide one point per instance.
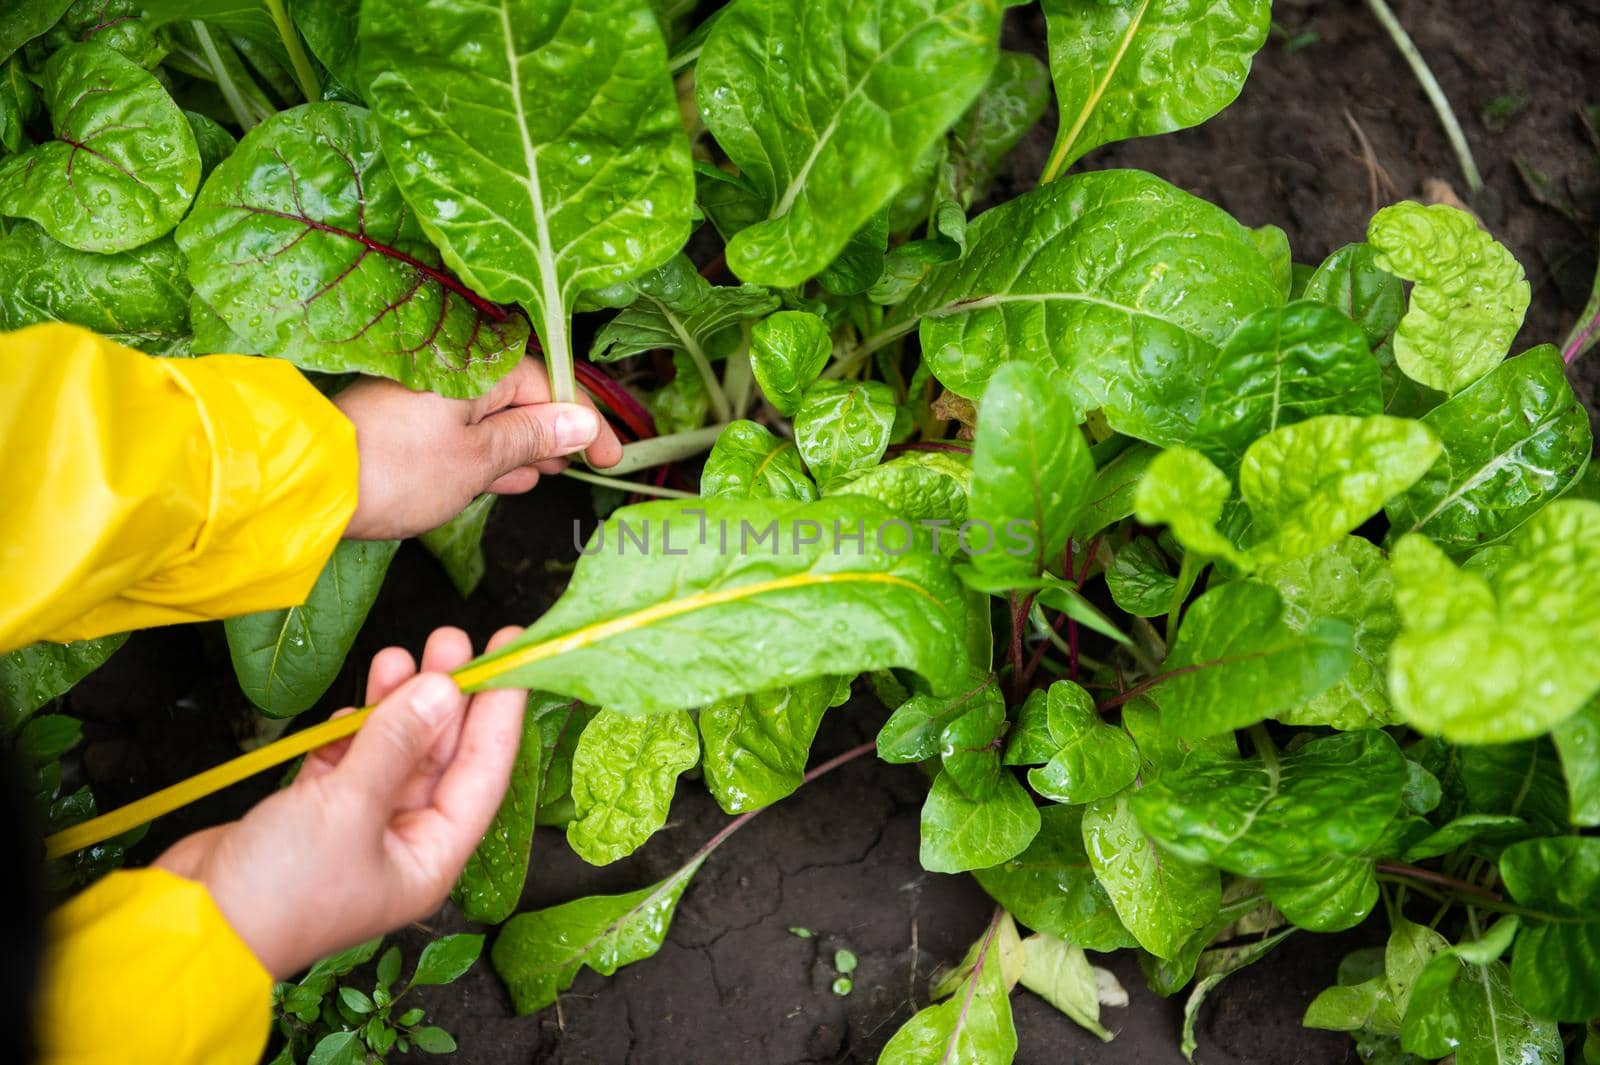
(1221, 597)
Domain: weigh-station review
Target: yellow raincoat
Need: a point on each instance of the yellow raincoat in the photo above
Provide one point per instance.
(142, 491)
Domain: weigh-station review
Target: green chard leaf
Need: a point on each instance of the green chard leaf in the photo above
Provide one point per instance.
(860, 265)
(117, 24)
(1161, 897)
(1132, 328)
(301, 242)
(330, 27)
(1330, 896)
(1555, 969)
(973, 1025)
(916, 730)
(139, 298)
(33, 675)
(843, 427)
(1578, 740)
(1150, 66)
(1059, 972)
(1467, 300)
(286, 659)
(679, 310)
(801, 597)
(822, 106)
(539, 143)
(458, 544)
(1467, 1009)
(1470, 643)
(1184, 490)
(1140, 579)
(1237, 661)
(624, 772)
(787, 352)
(1517, 780)
(961, 833)
(1011, 103)
(933, 487)
(559, 731)
(19, 103)
(1030, 471)
(1111, 495)
(1349, 581)
(1051, 886)
(756, 746)
(1351, 281)
(748, 462)
(1085, 758)
(1497, 469)
(1331, 797)
(1281, 366)
(123, 167)
(539, 954)
(24, 20)
(1273, 244)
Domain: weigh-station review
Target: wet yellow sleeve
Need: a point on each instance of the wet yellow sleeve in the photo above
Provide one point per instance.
(143, 969)
(142, 491)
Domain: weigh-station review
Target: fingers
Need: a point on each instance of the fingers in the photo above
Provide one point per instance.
(391, 667)
(606, 449)
(517, 481)
(527, 383)
(397, 739)
(469, 792)
(523, 436)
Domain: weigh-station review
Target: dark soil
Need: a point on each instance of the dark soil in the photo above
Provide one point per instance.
(840, 858)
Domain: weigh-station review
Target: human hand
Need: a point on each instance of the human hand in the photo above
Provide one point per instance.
(424, 457)
(375, 829)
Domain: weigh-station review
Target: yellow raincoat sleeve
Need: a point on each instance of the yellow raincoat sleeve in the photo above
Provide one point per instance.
(143, 491)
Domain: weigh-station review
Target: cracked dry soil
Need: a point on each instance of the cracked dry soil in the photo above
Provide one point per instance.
(732, 985)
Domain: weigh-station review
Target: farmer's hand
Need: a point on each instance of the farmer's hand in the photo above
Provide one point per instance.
(375, 829)
(423, 457)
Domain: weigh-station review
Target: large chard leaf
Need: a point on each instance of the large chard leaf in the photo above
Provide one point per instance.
(843, 427)
(1467, 1009)
(1468, 298)
(33, 675)
(960, 832)
(756, 746)
(1120, 283)
(1497, 470)
(139, 297)
(624, 772)
(1051, 887)
(539, 954)
(1137, 67)
(1471, 644)
(1162, 898)
(1555, 968)
(285, 659)
(701, 604)
(1030, 471)
(1236, 661)
(539, 142)
(1284, 365)
(748, 462)
(301, 242)
(1012, 101)
(23, 20)
(1277, 817)
(825, 104)
(971, 1027)
(123, 166)
(1349, 581)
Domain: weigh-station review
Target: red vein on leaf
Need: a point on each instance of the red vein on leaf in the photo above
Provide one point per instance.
(972, 983)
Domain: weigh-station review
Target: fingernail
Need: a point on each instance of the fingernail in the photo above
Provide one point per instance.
(433, 697)
(576, 428)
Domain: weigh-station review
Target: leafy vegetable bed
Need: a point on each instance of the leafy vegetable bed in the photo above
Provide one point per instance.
(695, 967)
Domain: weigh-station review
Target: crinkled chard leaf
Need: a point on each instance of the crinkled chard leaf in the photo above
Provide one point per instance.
(624, 772)
(756, 746)
(1310, 483)
(301, 242)
(117, 24)
(539, 954)
(1578, 740)
(1333, 796)
(1121, 284)
(1132, 69)
(825, 105)
(458, 544)
(1468, 1010)
(920, 486)
(123, 166)
(843, 427)
(1011, 103)
(1031, 471)
(1349, 581)
(787, 352)
(1051, 887)
(1085, 758)
(1183, 490)
(139, 298)
(33, 675)
(1469, 643)
(678, 310)
(540, 144)
(1162, 898)
(1237, 661)
(1555, 968)
(960, 833)
(688, 620)
(286, 659)
(749, 462)
(1498, 469)
(1284, 365)
(970, 1027)
(1467, 300)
